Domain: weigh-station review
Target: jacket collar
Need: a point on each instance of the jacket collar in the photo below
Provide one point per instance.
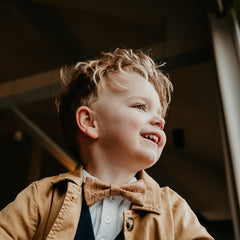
(74, 176)
(152, 201)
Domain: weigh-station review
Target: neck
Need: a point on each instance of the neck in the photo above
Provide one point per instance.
(110, 174)
(105, 166)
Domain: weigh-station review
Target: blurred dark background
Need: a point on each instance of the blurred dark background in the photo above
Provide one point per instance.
(38, 36)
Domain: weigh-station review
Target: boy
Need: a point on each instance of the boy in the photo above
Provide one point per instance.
(112, 113)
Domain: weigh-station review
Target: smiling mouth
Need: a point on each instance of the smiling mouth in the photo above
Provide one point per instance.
(155, 139)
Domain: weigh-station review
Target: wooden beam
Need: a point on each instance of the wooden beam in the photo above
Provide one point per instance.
(53, 148)
(45, 85)
(28, 89)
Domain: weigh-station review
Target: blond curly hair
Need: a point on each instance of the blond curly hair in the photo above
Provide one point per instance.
(82, 82)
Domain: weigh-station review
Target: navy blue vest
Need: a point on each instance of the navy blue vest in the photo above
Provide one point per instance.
(85, 227)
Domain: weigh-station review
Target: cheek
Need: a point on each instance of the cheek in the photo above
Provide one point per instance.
(133, 126)
(135, 119)
(128, 119)
(163, 140)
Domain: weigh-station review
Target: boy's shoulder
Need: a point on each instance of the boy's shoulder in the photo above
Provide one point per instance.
(70, 176)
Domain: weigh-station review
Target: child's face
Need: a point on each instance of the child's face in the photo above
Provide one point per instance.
(130, 123)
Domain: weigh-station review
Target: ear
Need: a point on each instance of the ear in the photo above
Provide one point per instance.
(86, 121)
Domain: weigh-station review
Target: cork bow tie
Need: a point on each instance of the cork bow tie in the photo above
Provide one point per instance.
(95, 190)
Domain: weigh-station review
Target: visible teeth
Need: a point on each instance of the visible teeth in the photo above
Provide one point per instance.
(154, 138)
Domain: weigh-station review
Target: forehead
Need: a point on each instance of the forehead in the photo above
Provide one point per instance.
(126, 81)
(128, 84)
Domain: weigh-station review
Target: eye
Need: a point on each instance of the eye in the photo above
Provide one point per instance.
(140, 107)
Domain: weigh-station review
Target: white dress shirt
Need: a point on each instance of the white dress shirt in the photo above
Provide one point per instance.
(107, 214)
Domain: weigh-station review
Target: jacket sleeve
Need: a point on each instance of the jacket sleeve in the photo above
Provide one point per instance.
(18, 220)
(186, 224)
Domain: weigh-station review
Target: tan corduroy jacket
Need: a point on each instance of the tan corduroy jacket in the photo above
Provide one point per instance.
(50, 209)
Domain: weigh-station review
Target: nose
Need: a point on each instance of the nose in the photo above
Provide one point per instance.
(158, 121)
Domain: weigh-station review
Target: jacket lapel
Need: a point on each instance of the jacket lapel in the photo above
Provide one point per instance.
(152, 202)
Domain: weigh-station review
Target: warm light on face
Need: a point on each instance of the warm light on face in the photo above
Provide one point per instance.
(130, 123)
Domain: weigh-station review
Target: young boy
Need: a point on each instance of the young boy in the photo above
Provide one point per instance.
(112, 112)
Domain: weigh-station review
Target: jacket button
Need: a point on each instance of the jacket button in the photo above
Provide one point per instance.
(130, 224)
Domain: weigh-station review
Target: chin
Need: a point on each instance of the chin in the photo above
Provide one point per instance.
(149, 161)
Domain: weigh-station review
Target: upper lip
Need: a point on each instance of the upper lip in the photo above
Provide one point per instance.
(153, 133)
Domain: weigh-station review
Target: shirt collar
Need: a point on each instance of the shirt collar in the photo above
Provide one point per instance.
(86, 174)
